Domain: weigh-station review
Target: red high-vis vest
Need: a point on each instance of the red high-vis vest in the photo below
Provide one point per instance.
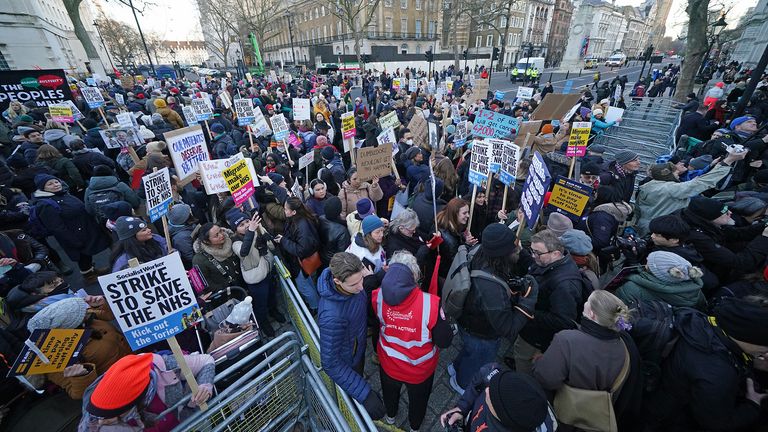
(405, 349)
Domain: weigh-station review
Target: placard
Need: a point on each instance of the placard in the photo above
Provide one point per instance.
(225, 99)
(460, 137)
(396, 83)
(260, 126)
(92, 96)
(480, 89)
(431, 87)
(61, 348)
(43, 87)
(337, 92)
(509, 162)
(419, 128)
(189, 115)
(524, 92)
(479, 165)
(387, 137)
(527, 127)
(213, 180)
(151, 302)
(536, 185)
(239, 181)
(279, 126)
(201, 109)
(570, 196)
(207, 99)
(127, 120)
(390, 121)
(300, 109)
(187, 147)
(496, 153)
(61, 113)
(126, 81)
(412, 85)
(568, 115)
(491, 124)
(157, 189)
(498, 95)
(121, 137)
(434, 138)
(578, 141)
(245, 112)
(119, 99)
(554, 106)
(613, 114)
(306, 160)
(374, 162)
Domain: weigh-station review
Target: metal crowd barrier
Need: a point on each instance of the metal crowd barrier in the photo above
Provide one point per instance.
(281, 391)
(357, 418)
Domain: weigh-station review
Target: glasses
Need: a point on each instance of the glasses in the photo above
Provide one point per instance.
(537, 253)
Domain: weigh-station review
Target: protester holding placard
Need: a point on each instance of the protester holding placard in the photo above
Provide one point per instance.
(544, 142)
(215, 258)
(136, 240)
(353, 189)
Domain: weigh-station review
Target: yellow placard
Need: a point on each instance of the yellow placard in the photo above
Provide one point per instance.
(568, 199)
(60, 346)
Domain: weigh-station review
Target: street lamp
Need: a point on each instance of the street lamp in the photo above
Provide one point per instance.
(175, 64)
(98, 31)
(288, 17)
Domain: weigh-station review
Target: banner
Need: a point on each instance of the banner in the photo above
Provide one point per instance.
(390, 121)
(479, 165)
(578, 141)
(151, 302)
(187, 147)
(92, 96)
(61, 113)
(61, 348)
(348, 125)
(509, 161)
(536, 185)
(244, 111)
(201, 109)
(491, 124)
(524, 93)
(374, 162)
(157, 189)
(121, 137)
(43, 87)
(279, 126)
(239, 181)
(570, 196)
(301, 109)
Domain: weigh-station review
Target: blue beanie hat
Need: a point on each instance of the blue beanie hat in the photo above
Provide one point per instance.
(217, 128)
(276, 178)
(114, 210)
(371, 223)
(234, 217)
(364, 207)
(42, 179)
(739, 120)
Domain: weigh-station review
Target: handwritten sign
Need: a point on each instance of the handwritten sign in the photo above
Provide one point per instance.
(244, 110)
(187, 147)
(390, 121)
(374, 162)
(61, 113)
(509, 162)
(496, 152)
(419, 128)
(201, 109)
(92, 96)
(61, 348)
(151, 302)
(491, 124)
(524, 93)
(189, 115)
(536, 185)
(157, 188)
(213, 180)
(239, 181)
(570, 196)
(577, 142)
(300, 109)
(479, 165)
(279, 126)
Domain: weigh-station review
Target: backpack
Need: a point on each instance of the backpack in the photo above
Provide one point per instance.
(640, 91)
(459, 281)
(35, 226)
(654, 333)
(100, 198)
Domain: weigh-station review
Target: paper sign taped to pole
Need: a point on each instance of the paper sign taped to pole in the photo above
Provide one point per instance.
(151, 302)
(157, 189)
(60, 348)
(187, 147)
(374, 162)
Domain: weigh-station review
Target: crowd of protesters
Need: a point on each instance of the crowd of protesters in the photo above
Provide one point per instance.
(647, 313)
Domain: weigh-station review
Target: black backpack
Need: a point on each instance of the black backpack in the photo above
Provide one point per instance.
(655, 335)
(100, 198)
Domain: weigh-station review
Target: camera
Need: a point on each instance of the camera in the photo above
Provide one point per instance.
(630, 244)
(735, 149)
(518, 284)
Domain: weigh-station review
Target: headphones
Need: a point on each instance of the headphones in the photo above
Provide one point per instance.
(312, 185)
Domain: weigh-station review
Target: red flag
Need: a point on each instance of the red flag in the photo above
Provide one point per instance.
(433, 282)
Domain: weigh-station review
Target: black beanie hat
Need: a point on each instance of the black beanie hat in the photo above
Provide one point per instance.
(518, 400)
(332, 208)
(498, 240)
(743, 320)
(102, 171)
(670, 226)
(708, 208)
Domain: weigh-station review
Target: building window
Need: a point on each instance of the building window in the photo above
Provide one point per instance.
(403, 4)
(478, 41)
(503, 22)
(322, 10)
(489, 41)
(501, 42)
(418, 4)
(418, 29)
(388, 26)
(404, 49)
(418, 49)
(4, 63)
(404, 26)
(387, 3)
(432, 29)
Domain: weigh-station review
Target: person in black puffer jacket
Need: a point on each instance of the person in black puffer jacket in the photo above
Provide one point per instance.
(334, 235)
(424, 207)
(402, 234)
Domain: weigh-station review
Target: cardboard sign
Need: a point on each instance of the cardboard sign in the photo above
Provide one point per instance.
(554, 106)
(213, 180)
(490, 124)
(577, 142)
(536, 185)
(374, 162)
(157, 188)
(260, 126)
(61, 113)
(61, 348)
(126, 81)
(121, 137)
(498, 95)
(201, 109)
(434, 138)
(496, 153)
(348, 125)
(460, 137)
(509, 162)
(127, 120)
(119, 99)
(92, 96)
(412, 85)
(420, 130)
(244, 110)
(390, 121)
(300, 109)
(225, 99)
(337, 92)
(239, 181)
(151, 302)
(570, 196)
(568, 115)
(479, 165)
(187, 147)
(387, 137)
(529, 127)
(524, 92)
(613, 114)
(480, 89)
(279, 126)
(306, 160)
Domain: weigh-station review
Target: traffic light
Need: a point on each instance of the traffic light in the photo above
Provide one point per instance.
(466, 54)
(495, 55)
(429, 56)
(648, 52)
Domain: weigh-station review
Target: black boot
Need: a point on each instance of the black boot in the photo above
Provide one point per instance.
(276, 315)
(266, 328)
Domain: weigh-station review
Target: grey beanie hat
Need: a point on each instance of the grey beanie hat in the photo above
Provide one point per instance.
(669, 267)
(576, 242)
(559, 223)
(625, 157)
(128, 226)
(68, 313)
(179, 214)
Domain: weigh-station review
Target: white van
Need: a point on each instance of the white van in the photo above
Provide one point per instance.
(532, 62)
(616, 60)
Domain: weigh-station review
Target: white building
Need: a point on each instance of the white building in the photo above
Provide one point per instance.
(597, 29)
(39, 34)
(749, 47)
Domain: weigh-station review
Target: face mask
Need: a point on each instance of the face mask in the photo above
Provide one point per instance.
(409, 142)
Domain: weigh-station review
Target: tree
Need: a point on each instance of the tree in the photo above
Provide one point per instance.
(505, 35)
(357, 16)
(476, 13)
(73, 10)
(123, 41)
(258, 17)
(218, 31)
(697, 45)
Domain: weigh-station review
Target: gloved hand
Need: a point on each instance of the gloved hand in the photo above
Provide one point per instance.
(527, 300)
(374, 406)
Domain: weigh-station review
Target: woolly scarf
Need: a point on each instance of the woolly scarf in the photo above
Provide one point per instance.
(620, 211)
(220, 254)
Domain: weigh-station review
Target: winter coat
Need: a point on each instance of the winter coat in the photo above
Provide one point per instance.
(342, 320)
(544, 143)
(448, 250)
(422, 205)
(224, 146)
(121, 262)
(694, 125)
(12, 202)
(172, 117)
(603, 223)
(94, 140)
(300, 241)
(64, 169)
(624, 182)
(354, 224)
(103, 183)
(181, 239)
(317, 206)
(396, 241)
(373, 260)
(658, 198)
(334, 238)
(86, 160)
(559, 303)
(644, 286)
(65, 217)
(29, 151)
(226, 273)
(349, 196)
(254, 265)
(599, 126)
(688, 397)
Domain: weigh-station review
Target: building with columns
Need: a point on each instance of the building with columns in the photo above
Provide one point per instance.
(597, 29)
(750, 45)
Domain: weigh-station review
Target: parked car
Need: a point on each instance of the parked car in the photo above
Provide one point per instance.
(616, 60)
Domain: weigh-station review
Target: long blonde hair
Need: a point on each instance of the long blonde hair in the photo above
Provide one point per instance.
(12, 114)
(609, 310)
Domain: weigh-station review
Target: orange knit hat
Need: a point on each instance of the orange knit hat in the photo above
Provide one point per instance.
(121, 387)
(547, 129)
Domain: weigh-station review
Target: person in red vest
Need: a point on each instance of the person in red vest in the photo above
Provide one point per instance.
(413, 327)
